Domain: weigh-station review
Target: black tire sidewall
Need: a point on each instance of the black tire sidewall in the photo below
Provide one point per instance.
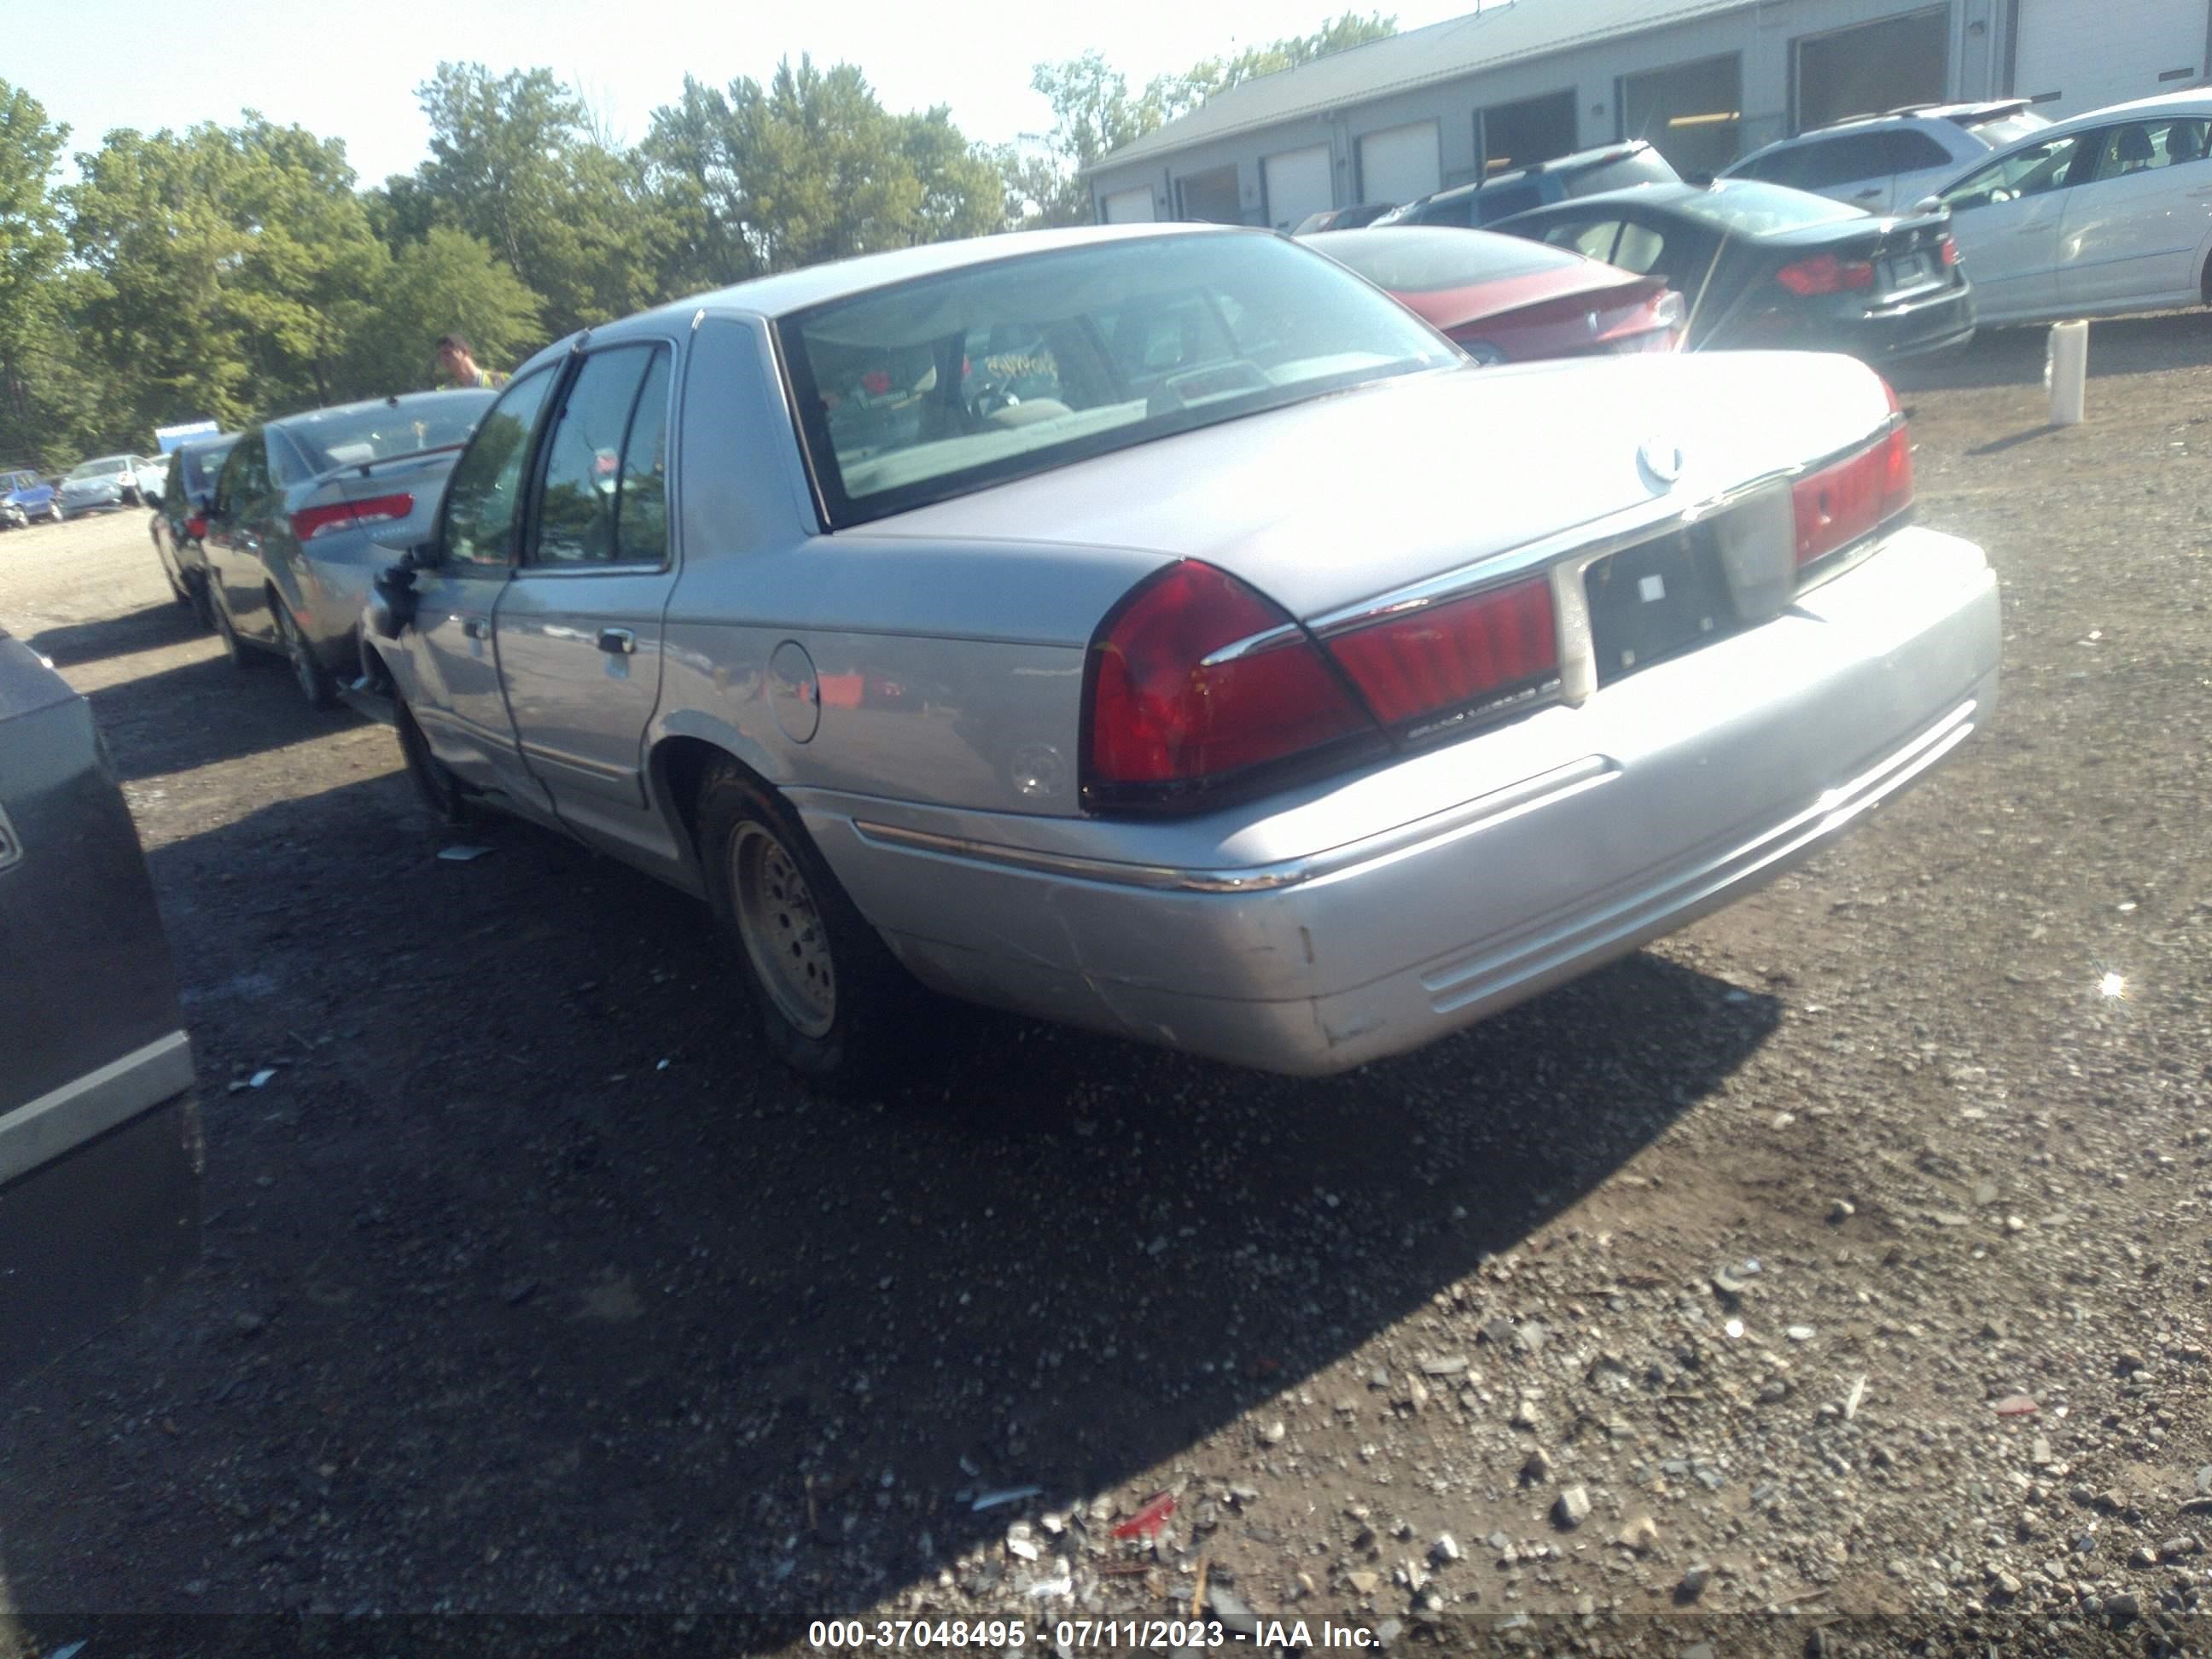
(434, 786)
(308, 674)
(233, 647)
(875, 1025)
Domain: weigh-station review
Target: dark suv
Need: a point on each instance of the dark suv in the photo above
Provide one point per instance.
(1585, 172)
(180, 519)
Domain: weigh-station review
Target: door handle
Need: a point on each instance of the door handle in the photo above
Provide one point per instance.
(617, 642)
(477, 628)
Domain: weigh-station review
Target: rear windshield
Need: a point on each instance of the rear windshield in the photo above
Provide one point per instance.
(1420, 260)
(105, 467)
(377, 432)
(1643, 167)
(2000, 131)
(948, 384)
(1745, 207)
(202, 462)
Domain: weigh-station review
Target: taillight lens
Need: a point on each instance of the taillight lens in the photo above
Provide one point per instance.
(1173, 710)
(1850, 499)
(195, 527)
(310, 522)
(1947, 250)
(1824, 273)
(1458, 660)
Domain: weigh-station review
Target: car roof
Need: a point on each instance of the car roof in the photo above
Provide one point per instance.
(2197, 101)
(1594, 155)
(1947, 114)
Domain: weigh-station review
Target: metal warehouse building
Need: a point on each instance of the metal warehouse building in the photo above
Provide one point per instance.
(1704, 80)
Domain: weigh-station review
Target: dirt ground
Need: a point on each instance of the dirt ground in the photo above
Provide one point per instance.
(531, 1286)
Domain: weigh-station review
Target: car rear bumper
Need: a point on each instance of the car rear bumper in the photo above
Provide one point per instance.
(1569, 838)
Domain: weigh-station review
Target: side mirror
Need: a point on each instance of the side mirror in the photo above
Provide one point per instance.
(1928, 205)
(391, 603)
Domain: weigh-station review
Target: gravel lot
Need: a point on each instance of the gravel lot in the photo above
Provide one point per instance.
(1843, 1259)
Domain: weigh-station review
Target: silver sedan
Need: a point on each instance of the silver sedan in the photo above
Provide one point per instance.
(1159, 629)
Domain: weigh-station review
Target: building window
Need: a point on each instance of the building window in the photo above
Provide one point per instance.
(1532, 129)
(1870, 69)
(1691, 113)
(1210, 195)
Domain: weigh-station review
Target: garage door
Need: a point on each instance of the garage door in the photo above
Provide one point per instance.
(2093, 55)
(1873, 67)
(1400, 165)
(1298, 183)
(1129, 207)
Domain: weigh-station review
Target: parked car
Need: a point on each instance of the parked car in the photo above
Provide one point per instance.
(2107, 212)
(1763, 265)
(180, 524)
(27, 497)
(149, 473)
(1585, 172)
(1160, 728)
(1343, 218)
(1505, 299)
(1889, 163)
(108, 482)
(100, 1138)
(288, 545)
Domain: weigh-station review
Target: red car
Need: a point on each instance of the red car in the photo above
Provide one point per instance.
(1507, 300)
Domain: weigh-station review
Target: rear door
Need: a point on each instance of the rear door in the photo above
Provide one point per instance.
(2140, 214)
(2006, 215)
(578, 628)
(457, 701)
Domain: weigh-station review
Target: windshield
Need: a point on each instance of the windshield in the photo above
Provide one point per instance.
(106, 467)
(945, 385)
(1745, 207)
(1417, 260)
(376, 432)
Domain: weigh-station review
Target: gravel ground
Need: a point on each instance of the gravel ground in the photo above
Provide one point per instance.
(1843, 1260)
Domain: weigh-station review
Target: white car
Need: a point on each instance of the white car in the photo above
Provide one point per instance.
(2107, 212)
(1886, 163)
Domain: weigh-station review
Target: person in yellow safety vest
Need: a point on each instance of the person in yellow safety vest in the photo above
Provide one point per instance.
(456, 365)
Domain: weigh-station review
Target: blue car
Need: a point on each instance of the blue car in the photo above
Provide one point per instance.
(27, 496)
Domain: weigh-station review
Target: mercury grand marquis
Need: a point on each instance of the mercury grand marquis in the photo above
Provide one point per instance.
(1158, 629)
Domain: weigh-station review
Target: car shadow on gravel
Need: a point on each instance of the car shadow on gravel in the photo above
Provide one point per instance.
(199, 713)
(532, 1282)
(146, 628)
(2014, 356)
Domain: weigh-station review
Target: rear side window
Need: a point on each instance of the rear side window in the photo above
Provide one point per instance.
(245, 478)
(1826, 163)
(1592, 241)
(1907, 150)
(589, 475)
(1458, 211)
(1502, 201)
(2147, 146)
(1640, 248)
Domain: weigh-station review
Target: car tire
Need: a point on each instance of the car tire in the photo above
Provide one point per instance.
(240, 654)
(195, 595)
(435, 786)
(54, 514)
(830, 999)
(309, 673)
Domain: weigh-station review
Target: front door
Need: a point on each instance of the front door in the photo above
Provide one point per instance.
(578, 628)
(2135, 223)
(456, 698)
(2006, 217)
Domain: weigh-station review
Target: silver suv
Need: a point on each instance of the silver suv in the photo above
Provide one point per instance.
(1886, 163)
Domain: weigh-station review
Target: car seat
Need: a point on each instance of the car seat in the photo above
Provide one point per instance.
(2184, 142)
(2135, 148)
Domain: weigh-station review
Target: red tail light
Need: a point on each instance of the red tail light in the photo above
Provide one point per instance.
(1948, 249)
(1824, 273)
(1850, 499)
(1456, 660)
(1196, 680)
(310, 522)
(195, 527)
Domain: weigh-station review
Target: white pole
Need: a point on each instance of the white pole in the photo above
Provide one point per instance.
(2066, 372)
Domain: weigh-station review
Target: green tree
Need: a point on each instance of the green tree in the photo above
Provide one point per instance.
(447, 283)
(33, 246)
(1095, 113)
(810, 167)
(517, 162)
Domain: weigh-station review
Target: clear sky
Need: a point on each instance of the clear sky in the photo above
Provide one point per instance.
(348, 68)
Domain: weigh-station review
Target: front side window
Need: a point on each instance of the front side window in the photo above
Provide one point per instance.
(1123, 342)
(602, 499)
(2029, 172)
(484, 495)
